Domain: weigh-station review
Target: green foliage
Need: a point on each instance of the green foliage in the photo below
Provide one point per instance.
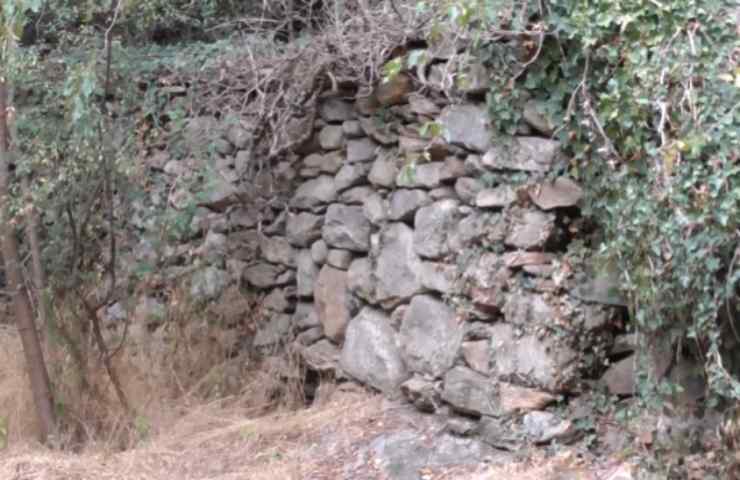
(645, 99)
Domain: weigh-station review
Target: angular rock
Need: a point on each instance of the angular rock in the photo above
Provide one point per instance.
(346, 227)
(433, 225)
(397, 265)
(360, 280)
(530, 154)
(537, 362)
(360, 150)
(305, 316)
(331, 137)
(468, 188)
(314, 193)
(467, 126)
(425, 175)
(220, 194)
(477, 355)
(370, 353)
(473, 229)
(544, 427)
(421, 393)
(474, 79)
(404, 203)
(430, 336)
(453, 169)
(278, 300)
(311, 336)
(306, 274)
(470, 393)
(375, 208)
(528, 309)
(352, 129)
(356, 195)
(340, 259)
(381, 133)
(563, 192)
(442, 192)
(516, 399)
(277, 250)
(335, 110)
(303, 228)
(530, 229)
(385, 169)
(323, 356)
(350, 175)
(264, 275)
(326, 163)
(499, 197)
(333, 302)
(439, 277)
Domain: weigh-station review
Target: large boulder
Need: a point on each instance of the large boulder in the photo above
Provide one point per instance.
(430, 336)
(371, 354)
(346, 227)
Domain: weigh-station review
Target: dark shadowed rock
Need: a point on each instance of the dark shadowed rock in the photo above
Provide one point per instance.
(322, 356)
(430, 336)
(335, 110)
(370, 353)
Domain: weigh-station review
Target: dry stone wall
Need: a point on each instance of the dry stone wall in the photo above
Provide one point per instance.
(433, 268)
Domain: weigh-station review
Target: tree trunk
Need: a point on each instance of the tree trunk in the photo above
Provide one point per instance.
(34, 356)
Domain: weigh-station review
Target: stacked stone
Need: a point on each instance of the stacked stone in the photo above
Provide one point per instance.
(415, 277)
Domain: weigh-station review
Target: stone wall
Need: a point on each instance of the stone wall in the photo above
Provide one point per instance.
(436, 268)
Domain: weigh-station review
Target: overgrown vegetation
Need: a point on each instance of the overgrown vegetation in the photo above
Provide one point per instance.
(644, 97)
